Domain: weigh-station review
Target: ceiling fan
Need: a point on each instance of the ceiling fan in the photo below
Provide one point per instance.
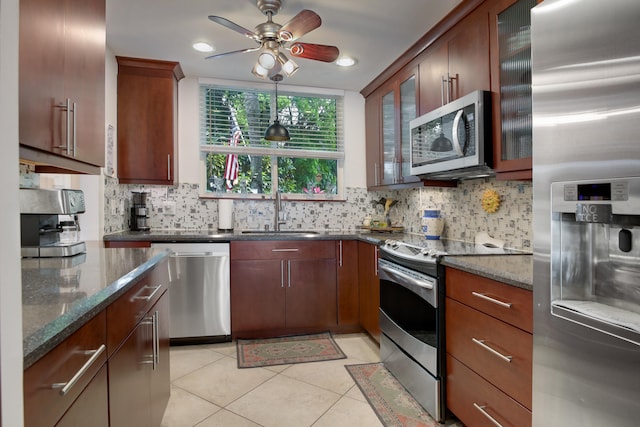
(271, 37)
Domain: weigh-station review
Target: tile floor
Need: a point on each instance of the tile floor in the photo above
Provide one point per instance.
(208, 390)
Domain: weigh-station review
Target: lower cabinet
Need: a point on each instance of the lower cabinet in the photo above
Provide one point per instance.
(282, 286)
(369, 289)
(489, 348)
(139, 385)
(67, 385)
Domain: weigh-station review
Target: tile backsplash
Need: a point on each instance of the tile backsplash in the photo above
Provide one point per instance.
(460, 206)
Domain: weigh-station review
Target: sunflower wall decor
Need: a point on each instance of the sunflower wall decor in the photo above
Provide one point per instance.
(490, 201)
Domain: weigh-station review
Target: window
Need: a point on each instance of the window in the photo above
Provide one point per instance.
(239, 162)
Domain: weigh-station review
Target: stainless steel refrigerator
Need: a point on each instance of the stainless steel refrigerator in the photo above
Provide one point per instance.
(586, 223)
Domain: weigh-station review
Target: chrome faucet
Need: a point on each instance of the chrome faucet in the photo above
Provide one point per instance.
(280, 217)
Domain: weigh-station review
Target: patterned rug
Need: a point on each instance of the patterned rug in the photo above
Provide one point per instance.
(287, 350)
(394, 406)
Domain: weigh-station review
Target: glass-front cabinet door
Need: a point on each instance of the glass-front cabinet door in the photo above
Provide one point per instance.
(398, 108)
(511, 57)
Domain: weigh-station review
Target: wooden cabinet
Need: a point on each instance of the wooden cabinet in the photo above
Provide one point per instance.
(489, 348)
(348, 297)
(62, 84)
(369, 285)
(126, 244)
(457, 64)
(510, 43)
(138, 347)
(147, 121)
(51, 387)
(280, 286)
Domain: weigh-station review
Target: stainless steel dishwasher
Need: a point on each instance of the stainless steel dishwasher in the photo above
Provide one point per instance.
(199, 292)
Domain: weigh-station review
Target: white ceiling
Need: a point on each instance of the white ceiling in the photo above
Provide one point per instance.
(376, 32)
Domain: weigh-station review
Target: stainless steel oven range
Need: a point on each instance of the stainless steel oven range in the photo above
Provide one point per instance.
(412, 314)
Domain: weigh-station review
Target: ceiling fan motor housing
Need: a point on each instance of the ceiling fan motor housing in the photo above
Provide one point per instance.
(267, 6)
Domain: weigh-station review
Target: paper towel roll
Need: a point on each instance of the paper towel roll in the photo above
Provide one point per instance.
(225, 214)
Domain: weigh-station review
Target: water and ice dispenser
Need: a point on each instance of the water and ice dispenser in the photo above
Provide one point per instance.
(595, 255)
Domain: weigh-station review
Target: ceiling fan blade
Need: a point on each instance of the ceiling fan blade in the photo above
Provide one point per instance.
(217, 55)
(233, 26)
(299, 25)
(319, 52)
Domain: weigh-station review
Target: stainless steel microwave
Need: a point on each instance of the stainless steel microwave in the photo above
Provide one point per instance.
(454, 141)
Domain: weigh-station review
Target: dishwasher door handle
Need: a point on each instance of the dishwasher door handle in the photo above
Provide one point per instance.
(196, 255)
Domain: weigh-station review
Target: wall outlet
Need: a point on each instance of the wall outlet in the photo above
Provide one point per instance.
(169, 207)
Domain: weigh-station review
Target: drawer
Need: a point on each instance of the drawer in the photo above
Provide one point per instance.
(481, 342)
(282, 249)
(127, 311)
(78, 357)
(467, 392)
(508, 303)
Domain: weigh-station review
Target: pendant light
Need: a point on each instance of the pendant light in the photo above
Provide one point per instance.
(276, 132)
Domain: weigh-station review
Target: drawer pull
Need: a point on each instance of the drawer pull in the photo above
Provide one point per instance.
(493, 300)
(148, 297)
(486, 414)
(65, 387)
(285, 250)
(490, 350)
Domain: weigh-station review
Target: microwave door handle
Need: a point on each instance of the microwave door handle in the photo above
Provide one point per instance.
(454, 133)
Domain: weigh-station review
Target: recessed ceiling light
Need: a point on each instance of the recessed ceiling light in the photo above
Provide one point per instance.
(203, 47)
(345, 61)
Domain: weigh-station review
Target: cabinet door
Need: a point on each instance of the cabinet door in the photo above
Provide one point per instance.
(348, 311)
(469, 54)
(311, 293)
(147, 115)
(257, 295)
(510, 22)
(84, 67)
(129, 372)
(373, 128)
(92, 407)
(369, 289)
(388, 160)
(41, 73)
(160, 376)
(433, 68)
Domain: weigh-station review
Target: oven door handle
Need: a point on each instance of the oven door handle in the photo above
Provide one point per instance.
(420, 283)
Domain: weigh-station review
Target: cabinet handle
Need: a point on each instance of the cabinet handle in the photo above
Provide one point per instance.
(156, 340)
(74, 111)
(486, 414)
(375, 260)
(168, 167)
(491, 350)
(289, 272)
(282, 273)
(65, 387)
(148, 297)
(285, 250)
(376, 180)
(340, 253)
(443, 82)
(493, 300)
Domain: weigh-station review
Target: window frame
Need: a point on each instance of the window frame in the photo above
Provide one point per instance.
(283, 90)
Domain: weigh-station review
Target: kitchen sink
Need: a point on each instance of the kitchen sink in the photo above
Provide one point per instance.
(281, 232)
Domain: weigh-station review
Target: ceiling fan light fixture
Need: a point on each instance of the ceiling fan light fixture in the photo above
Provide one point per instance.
(345, 61)
(289, 67)
(259, 71)
(267, 60)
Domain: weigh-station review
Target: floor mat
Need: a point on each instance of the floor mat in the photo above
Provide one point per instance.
(286, 350)
(394, 406)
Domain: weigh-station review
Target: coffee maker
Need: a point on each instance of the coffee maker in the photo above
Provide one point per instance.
(139, 212)
(42, 233)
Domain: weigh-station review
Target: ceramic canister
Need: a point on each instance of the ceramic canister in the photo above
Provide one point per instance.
(432, 224)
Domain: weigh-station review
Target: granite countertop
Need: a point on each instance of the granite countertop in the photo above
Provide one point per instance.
(515, 270)
(59, 295)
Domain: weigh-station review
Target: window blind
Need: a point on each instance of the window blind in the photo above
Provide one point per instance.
(315, 122)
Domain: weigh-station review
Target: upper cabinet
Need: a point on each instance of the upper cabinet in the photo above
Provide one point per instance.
(388, 113)
(62, 84)
(511, 83)
(148, 121)
(457, 64)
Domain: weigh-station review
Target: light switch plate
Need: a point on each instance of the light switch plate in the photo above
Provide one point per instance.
(169, 207)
